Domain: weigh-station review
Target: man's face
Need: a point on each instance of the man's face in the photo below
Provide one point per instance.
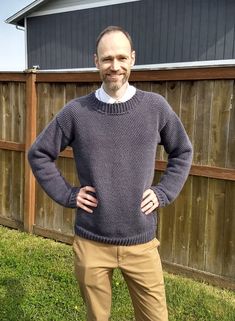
(114, 60)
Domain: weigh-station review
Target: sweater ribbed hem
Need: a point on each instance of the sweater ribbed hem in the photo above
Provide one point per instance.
(133, 240)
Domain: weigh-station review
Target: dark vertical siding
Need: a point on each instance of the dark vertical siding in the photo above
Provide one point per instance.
(220, 29)
(186, 35)
(179, 30)
(195, 29)
(229, 30)
(213, 34)
(203, 31)
(163, 31)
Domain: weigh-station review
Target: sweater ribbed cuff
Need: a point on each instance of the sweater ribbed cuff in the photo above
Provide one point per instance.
(160, 196)
(72, 202)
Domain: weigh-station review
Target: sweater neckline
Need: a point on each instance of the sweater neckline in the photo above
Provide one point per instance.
(116, 108)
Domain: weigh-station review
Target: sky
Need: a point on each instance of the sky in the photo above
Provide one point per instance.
(12, 53)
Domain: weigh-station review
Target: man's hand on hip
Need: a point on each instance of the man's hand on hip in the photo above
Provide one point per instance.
(150, 201)
(85, 200)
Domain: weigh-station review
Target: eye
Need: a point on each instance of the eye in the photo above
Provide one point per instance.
(106, 59)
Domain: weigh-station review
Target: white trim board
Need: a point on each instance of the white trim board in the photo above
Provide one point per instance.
(176, 65)
(188, 64)
(26, 43)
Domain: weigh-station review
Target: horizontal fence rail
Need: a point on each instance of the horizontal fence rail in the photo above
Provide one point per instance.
(197, 230)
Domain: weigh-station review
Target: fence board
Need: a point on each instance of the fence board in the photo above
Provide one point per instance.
(188, 106)
(70, 92)
(12, 179)
(143, 86)
(201, 121)
(219, 122)
(183, 209)
(15, 105)
(173, 95)
(12, 116)
(228, 232)
(85, 89)
(43, 105)
(231, 139)
(159, 87)
(198, 223)
(165, 227)
(2, 173)
(7, 183)
(17, 186)
(215, 226)
(4, 105)
(30, 135)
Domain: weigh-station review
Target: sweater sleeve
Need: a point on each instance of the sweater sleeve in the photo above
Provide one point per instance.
(42, 156)
(179, 149)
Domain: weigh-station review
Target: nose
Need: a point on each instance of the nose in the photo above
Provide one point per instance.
(115, 65)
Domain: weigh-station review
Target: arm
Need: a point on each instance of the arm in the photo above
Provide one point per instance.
(42, 156)
(179, 149)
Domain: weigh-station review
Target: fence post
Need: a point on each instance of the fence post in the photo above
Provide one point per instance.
(30, 135)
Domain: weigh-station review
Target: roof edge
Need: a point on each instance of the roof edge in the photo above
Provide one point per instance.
(18, 17)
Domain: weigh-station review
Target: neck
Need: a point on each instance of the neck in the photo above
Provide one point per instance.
(116, 94)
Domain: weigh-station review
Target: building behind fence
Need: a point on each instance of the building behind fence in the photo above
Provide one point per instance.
(61, 34)
(197, 230)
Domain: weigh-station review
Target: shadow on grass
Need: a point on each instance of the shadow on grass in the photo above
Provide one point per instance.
(11, 295)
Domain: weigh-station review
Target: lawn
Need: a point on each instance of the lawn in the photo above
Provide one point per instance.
(37, 283)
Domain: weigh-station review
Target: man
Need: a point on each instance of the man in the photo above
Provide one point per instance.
(114, 133)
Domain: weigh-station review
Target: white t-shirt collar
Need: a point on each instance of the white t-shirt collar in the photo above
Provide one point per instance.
(105, 98)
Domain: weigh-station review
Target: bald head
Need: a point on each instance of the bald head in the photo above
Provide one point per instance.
(111, 29)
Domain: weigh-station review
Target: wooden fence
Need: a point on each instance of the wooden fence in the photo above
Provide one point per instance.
(197, 232)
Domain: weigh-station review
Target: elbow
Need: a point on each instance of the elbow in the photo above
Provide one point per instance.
(31, 156)
(190, 152)
(187, 153)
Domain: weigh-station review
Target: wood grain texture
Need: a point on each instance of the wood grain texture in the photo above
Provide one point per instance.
(12, 116)
(12, 183)
(30, 135)
(197, 242)
(182, 225)
(230, 158)
(215, 226)
(219, 123)
(228, 231)
(201, 121)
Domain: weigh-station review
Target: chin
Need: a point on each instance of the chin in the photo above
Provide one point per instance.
(114, 86)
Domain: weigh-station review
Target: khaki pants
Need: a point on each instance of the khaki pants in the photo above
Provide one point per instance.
(141, 269)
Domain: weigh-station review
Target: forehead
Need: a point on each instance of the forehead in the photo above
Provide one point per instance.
(114, 43)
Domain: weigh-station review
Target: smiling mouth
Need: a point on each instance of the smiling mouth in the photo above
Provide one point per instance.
(114, 76)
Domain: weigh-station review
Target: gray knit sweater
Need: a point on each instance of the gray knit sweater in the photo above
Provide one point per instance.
(114, 147)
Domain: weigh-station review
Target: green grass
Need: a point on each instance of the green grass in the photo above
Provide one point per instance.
(37, 283)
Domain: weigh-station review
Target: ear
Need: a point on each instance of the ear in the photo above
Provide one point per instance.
(96, 60)
(132, 58)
